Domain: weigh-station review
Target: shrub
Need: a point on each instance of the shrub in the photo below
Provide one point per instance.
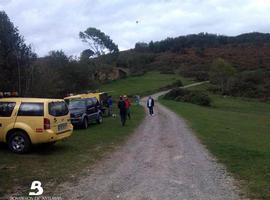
(200, 98)
(195, 97)
(176, 92)
(201, 75)
(175, 84)
(251, 84)
(214, 89)
(179, 98)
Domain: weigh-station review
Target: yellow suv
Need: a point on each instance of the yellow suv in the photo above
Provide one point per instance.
(27, 121)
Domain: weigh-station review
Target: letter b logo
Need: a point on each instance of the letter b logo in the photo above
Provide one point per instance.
(36, 185)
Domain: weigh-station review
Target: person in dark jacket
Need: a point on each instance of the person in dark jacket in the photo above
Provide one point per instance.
(150, 105)
(122, 109)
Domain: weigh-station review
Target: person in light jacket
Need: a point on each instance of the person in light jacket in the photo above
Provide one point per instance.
(150, 105)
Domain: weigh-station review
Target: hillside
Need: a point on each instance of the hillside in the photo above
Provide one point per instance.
(243, 57)
(245, 52)
(193, 56)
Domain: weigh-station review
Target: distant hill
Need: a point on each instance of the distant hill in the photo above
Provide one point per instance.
(192, 56)
(246, 52)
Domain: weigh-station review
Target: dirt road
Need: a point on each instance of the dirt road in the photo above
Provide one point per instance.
(162, 160)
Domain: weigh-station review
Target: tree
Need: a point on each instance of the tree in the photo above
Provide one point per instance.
(15, 58)
(56, 75)
(50, 75)
(99, 43)
(141, 46)
(57, 59)
(86, 54)
(221, 74)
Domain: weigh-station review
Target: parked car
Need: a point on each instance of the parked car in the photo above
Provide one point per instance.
(28, 121)
(102, 98)
(84, 111)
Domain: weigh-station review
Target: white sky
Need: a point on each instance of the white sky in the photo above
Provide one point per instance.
(55, 24)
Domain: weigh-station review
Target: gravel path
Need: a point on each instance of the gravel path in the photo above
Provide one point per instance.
(162, 160)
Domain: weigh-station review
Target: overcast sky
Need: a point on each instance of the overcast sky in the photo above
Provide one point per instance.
(55, 24)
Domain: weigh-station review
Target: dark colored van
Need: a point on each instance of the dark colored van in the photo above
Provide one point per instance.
(84, 111)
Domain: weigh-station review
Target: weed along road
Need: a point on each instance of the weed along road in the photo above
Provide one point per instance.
(161, 160)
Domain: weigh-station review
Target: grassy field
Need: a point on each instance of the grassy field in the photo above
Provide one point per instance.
(142, 85)
(237, 132)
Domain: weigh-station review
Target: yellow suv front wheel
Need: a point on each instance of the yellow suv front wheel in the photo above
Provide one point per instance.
(19, 142)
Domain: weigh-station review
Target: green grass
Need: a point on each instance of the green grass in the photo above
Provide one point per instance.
(66, 159)
(237, 132)
(142, 85)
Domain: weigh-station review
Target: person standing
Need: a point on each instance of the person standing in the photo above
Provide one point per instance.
(150, 105)
(110, 105)
(122, 109)
(137, 99)
(127, 104)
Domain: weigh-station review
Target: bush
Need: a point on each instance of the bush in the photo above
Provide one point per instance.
(251, 84)
(175, 84)
(195, 97)
(179, 98)
(201, 76)
(214, 89)
(199, 98)
(176, 92)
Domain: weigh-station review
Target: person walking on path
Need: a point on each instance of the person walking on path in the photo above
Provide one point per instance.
(110, 104)
(127, 104)
(150, 105)
(122, 109)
